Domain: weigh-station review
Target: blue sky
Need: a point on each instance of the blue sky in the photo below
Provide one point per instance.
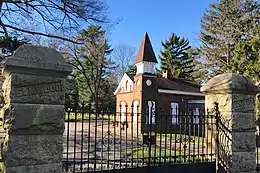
(157, 17)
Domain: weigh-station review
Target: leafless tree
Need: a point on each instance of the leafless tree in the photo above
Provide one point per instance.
(59, 19)
(124, 56)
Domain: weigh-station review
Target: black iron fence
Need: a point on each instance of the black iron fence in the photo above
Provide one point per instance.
(130, 139)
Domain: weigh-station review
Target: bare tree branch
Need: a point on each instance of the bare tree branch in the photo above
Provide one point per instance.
(124, 56)
(81, 68)
(37, 33)
(17, 1)
(62, 16)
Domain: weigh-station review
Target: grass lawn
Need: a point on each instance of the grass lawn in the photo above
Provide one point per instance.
(181, 138)
(164, 155)
(72, 117)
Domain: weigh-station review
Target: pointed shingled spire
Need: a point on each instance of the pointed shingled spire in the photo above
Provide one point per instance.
(145, 52)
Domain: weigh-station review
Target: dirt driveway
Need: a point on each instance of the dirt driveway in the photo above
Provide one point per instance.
(97, 141)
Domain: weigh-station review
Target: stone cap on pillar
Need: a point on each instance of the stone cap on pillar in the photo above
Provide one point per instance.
(228, 83)
(32, 59)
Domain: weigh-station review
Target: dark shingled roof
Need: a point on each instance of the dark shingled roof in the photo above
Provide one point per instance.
(173, 83)
(131, 76)
(177, 84)
(145, 52)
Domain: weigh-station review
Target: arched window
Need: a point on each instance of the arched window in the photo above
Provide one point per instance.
(135, 111)
(126, 85)
(122, 111)
(150, 117)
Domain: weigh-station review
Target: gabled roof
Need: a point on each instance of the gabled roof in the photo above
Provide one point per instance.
(125, 77)
(177, 84)
(146, 52)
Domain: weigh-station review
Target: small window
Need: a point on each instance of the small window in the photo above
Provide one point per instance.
(135, 111)
(150, 115)
(126, 86)
(122, 111)
(196, 114)
(175, 112)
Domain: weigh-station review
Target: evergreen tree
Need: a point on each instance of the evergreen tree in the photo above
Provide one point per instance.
(227, 28)
(131, 69)
(200, 74)
(177, 57)
(231, 38)
(92, 67)
(9, 44)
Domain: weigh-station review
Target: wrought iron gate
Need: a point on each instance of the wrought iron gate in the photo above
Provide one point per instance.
(126, 141)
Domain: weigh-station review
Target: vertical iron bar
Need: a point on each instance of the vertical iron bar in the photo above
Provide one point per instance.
(75, 135)
(180, 154)
(82, 131)
(199, 134)
(95, 152)
(68, 139)
(120, 141)
(203, 135)
(95, 139)
(137, 135)
(102, 135)
(171, 116)
(217, 129)
(161, 128)
(225, 139)
(191, 123)
(155, 132)
(211, 151)
(108, 147)
(202, 128)
(126, 127)
(149, 135)
(165, 138)
(89, 127)
(132, 133)
(185, 137)
(175, 134)
(207, 136)
(114, 136)
(195, 117)
(147, 115)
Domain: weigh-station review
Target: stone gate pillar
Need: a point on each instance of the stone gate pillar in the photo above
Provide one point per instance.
(235, 95)
(33, 112)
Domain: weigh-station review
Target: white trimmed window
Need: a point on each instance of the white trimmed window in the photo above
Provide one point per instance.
(135, 111)
(122, 111)
(175, 112)
(126, 86)
(196, 114)
(150, 115)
